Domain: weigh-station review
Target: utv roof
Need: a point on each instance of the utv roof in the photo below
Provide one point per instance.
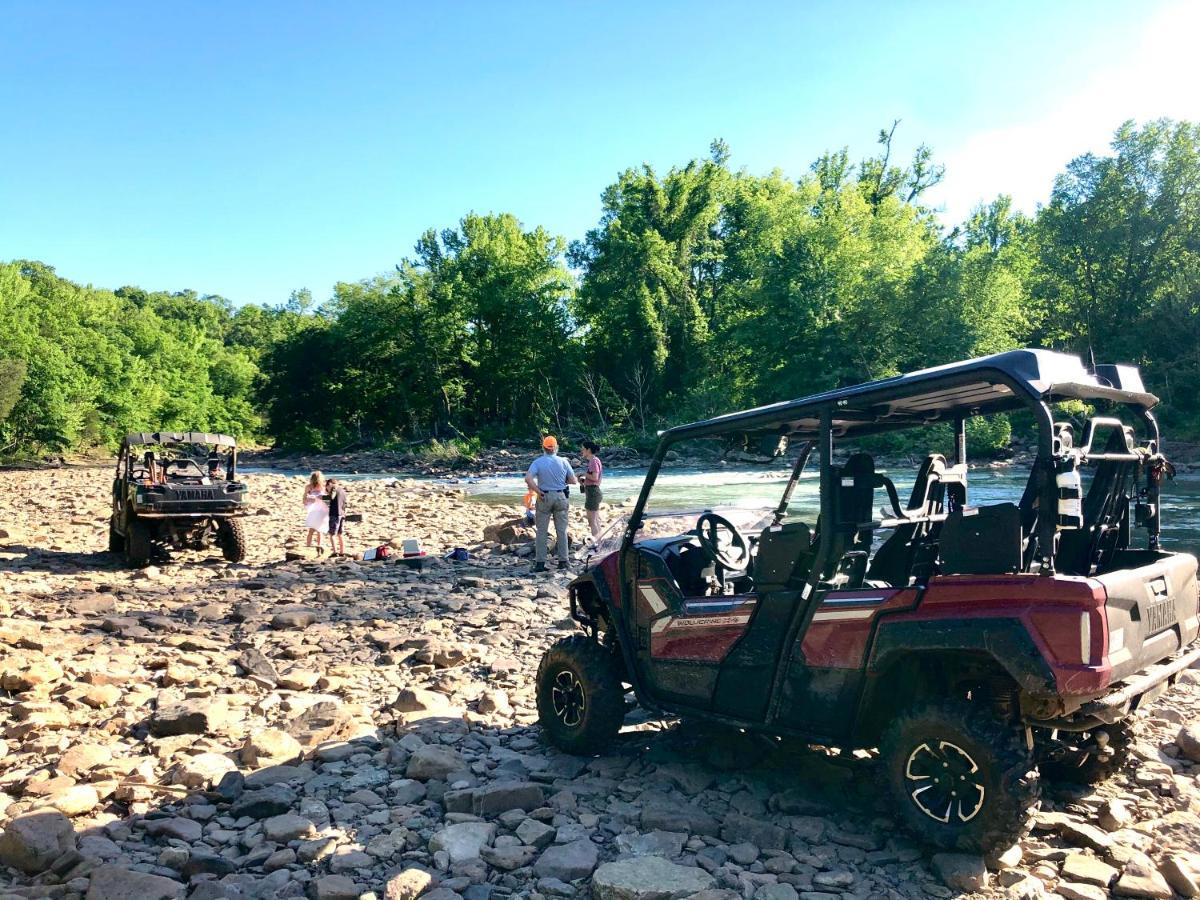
(142, 438)
(990, 384)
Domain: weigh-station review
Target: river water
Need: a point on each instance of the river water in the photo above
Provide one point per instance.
(691, 489)
(680, 489)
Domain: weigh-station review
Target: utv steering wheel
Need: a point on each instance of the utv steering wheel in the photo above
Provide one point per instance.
(732, 553)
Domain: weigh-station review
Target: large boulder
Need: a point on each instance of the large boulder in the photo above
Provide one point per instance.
(463, 841)
(33, 841)
(961, 871)
(408, 884)
(189, 717)
(202, 771)
(510, 531)
(270, 747)
(567, 862)
(501, 796)
(111, 882)
(433, 762)
(648, 878)
(1188, 741)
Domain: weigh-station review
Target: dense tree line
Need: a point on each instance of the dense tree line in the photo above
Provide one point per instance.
(699, 290)
(79, 366)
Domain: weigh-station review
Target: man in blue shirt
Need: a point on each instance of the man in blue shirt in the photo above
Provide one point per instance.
(549, 476)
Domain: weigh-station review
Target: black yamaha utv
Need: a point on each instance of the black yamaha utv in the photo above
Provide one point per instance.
(177, 490)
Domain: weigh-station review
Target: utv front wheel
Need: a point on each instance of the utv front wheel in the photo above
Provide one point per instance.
(961, 779)
(138, 545)
(1086, 758)
(232, 539)
(580, 701)
(116, 543)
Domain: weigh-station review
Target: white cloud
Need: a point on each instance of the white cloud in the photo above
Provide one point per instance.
(1159, 78)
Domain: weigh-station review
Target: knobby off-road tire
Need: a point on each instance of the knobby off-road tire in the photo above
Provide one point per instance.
(1081, 767)
(961, 779)
(116, 541)
(139, 547)
(580, 700)
(232, 539)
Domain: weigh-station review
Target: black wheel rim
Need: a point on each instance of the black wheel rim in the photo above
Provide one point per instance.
(568, 699)
(944, 782)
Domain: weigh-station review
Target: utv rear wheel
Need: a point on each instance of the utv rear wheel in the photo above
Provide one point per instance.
(232, 539)
(962, 780)
(138, 545)
(1076, 758)
(580, 701)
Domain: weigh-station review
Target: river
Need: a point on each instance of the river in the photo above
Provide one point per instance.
(678, 489)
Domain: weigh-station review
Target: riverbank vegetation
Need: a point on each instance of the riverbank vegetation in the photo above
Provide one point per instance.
(700, 290)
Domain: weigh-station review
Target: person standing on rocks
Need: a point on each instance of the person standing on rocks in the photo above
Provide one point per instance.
(336, 498)
(549, 476)
(592, 496)
(316, 510)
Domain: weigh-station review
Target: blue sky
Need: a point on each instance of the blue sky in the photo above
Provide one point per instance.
(250, 149)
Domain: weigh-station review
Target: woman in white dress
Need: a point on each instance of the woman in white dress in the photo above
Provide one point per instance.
(316, 510)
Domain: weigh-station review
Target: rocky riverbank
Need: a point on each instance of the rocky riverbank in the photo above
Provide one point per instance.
(341, 729)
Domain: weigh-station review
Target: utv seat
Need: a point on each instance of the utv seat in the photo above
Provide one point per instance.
(784, 557)
(854, 501)
(895, 560)
(1089, 549)
(981, 541)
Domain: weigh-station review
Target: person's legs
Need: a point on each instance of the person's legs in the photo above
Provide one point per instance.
(341, 541)
(562, 508)
(308, 540)
(591, 509)
(541, 520)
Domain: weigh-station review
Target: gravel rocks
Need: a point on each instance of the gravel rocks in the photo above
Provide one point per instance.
(333, 728)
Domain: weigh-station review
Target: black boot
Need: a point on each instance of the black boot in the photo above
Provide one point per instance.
(539, 567)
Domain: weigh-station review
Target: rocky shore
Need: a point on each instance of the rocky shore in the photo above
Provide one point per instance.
(343, 729)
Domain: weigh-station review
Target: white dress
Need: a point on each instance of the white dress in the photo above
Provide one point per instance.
(318, 511)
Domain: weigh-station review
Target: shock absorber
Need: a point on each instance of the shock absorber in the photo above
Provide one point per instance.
(1005, 702)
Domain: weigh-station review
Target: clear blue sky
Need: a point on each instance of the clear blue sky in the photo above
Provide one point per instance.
(249, 149)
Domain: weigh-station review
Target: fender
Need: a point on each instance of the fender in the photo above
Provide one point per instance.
(1005, 641)
(604, 579)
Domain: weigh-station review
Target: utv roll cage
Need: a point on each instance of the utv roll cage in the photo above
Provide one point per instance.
(166, 439)
(1030, 380)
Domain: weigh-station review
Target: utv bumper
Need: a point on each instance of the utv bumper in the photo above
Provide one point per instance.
(160, 501)
(1127, 696)
(1130, 694)
(191, 513)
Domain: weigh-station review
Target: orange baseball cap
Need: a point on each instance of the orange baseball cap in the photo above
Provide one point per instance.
(549, 442)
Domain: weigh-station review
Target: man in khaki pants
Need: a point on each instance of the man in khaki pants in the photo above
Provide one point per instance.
(549, 476)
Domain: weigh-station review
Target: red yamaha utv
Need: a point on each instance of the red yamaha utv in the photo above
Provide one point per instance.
(974, 643)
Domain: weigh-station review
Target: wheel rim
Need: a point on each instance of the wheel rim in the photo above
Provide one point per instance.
(567, 698)
(944, 782)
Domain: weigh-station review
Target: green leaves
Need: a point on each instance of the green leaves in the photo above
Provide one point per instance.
(80, 366)
(473, 331)
(700, 290)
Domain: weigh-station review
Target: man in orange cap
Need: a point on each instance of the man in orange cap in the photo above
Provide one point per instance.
(549, 476)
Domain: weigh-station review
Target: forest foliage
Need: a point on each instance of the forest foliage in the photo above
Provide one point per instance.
(700, 290)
